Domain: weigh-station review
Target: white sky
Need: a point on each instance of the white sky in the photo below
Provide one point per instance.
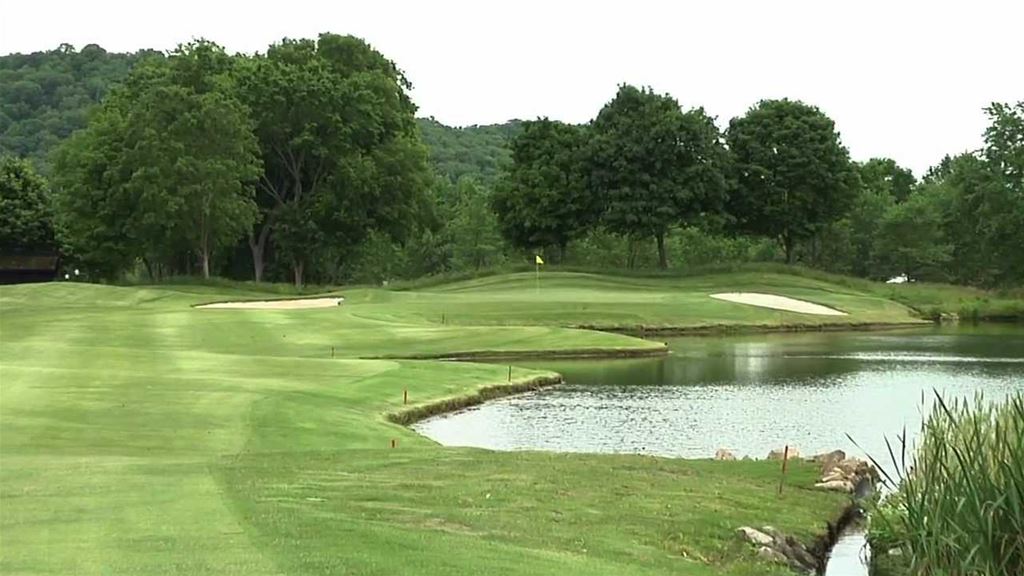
(904, 79)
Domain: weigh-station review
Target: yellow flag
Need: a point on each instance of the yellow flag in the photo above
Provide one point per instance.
(539, 259)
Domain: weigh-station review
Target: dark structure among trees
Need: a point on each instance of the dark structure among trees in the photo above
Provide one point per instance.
(28, 268)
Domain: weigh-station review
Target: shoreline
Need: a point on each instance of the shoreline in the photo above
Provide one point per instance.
(729, 329)
(415, 414)
(570, 354)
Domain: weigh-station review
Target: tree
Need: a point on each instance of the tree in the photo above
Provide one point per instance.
(884, 175)
(911, 239)
(985, 216)
(794, 176)
(333, 122)
(474, 228)
(26, 217)
(543, 198)
(197, 152)
(167, 165)
(653, 166)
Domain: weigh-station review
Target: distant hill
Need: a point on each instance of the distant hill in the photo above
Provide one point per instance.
(477, 151)
(45, 96)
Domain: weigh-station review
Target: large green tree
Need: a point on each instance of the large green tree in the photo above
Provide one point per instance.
(543, 198)
(911, 239)
(794, 177)
(985, 216)
(167, 165)
(26, 216)
(339, 144)
(653, 166)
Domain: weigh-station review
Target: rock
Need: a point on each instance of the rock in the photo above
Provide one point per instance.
(854, 467)
(754, 536)
(777, 454)
(836, 486)
(723, 454)
(828, 460)
(833, 475)
(769, 554)
(800, 554)
(774, 533)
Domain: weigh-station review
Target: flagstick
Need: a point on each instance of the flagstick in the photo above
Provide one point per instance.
(536, 265)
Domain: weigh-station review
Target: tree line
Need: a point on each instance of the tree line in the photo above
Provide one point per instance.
(645, 167)
(306, 163)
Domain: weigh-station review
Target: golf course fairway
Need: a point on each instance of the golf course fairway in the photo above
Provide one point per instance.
(141, 435)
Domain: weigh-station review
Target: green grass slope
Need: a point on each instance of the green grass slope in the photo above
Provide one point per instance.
(139, 435)
(631, 303)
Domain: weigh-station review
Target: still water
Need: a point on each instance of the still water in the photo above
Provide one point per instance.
(751, 394)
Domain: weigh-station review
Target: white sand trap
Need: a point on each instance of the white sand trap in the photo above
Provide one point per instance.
(778, 303)
(297, 304)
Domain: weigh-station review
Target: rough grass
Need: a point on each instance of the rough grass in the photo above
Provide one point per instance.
(139, 435)
(958, 507)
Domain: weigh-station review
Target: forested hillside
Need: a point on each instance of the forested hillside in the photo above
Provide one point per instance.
(476, 151)
(45, 96)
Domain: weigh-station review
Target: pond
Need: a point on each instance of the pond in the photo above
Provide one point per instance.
(751, 394)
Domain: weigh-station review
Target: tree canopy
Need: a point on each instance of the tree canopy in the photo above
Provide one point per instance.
(339, 144)
(167, 166)
(26, 215)
(653, 166)
(793, 174)
(543, 199)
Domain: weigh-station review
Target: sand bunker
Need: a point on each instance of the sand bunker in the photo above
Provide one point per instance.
(297, 304)
(777, 303)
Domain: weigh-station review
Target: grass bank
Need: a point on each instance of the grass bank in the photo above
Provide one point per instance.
(139, 435)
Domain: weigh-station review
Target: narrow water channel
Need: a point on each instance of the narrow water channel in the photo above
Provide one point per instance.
(750, 394)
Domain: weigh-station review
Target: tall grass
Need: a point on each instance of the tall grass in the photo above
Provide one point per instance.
(957, 506)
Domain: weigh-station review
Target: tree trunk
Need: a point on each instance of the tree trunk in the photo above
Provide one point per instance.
(630, 253)
(787, 245)
(662, 256)
(204, 256)
(258, 246)
(297, 267)
(149, 269)
(561, 252)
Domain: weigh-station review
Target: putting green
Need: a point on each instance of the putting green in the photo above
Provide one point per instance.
(139, 435)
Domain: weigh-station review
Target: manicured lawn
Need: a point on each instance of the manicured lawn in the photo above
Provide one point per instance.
(141, 436)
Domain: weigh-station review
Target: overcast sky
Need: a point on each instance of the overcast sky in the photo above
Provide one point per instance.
(902, 79)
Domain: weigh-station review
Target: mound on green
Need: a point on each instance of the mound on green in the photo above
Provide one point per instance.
(139, 435)
(632, 303)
